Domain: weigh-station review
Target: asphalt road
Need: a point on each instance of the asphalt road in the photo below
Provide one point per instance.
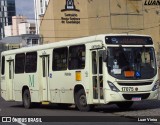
(71, 116)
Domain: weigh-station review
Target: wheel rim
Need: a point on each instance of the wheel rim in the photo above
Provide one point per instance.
(82, 100)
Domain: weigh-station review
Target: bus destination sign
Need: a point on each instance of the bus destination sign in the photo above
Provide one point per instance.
(128, 40)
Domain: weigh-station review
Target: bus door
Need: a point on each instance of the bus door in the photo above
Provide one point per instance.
(45, 77)
(97, 75)
(10, 86)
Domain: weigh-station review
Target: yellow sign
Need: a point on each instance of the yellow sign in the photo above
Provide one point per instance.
(78, 76)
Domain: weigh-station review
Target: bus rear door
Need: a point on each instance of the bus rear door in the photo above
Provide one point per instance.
(44, 82)
(10, 86)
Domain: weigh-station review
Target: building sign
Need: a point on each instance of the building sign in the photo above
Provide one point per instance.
(70, 18)
(152, 2)
(70, 6)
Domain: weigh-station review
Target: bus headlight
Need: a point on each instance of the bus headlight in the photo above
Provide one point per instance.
(156, 86)
(113, 87)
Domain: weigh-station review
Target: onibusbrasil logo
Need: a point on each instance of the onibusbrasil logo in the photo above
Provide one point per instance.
(21, 119)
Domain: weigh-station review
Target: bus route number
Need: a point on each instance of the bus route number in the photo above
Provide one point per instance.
(127, 89)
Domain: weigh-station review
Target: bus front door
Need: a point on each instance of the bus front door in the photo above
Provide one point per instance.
(97, 76)
(45, 77)
(10, 86)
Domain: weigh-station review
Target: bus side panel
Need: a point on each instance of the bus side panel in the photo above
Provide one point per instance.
(33, 83)
(3, 87)
(19, 81)
(61, 87)
(29, 80)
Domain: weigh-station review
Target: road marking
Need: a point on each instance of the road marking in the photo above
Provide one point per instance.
(21, 123)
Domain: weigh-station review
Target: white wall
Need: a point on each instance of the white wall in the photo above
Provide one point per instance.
(23, 28)
(8, 30)
(15, 21)
(39, 10)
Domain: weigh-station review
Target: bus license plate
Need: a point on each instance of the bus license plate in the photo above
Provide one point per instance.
(127, 89)
(136, 99)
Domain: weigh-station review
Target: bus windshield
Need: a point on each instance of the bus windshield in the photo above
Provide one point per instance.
(131, 62)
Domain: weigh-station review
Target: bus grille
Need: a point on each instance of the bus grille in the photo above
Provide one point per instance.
(130, 96)
(135, 84)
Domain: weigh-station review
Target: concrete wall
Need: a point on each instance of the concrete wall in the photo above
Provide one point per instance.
(100, 16)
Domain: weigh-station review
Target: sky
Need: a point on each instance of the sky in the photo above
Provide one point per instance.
(25, 7)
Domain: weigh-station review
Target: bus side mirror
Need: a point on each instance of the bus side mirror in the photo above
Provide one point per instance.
(105, 56)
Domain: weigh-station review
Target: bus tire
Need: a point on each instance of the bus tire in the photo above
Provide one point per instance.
(124, 105)
(27, 99)
(81, 101)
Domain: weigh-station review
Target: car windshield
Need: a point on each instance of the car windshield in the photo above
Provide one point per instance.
(131, 62)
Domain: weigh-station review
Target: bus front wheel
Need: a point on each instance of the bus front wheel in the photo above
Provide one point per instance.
(81, 101)
(27, 99)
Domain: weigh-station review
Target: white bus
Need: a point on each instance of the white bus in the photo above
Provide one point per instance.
(113, 68)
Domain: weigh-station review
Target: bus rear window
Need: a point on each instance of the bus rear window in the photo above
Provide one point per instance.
(3, 65)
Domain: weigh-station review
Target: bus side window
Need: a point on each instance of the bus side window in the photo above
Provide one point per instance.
(94, 63)
(19, 63)
(77, 57)
(31, 62)
(100, 62)
(3, 65)
(60, 56)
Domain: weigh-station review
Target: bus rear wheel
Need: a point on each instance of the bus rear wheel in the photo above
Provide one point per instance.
(27, 99)
(124, 105)
(81, 101)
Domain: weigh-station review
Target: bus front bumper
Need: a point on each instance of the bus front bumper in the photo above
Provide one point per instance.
(111, 96)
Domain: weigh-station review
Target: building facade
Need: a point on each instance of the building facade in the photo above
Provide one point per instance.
(15, 42)
(25, 40)
(69, 19)
(7, 10)
(40, 9)
(20, 25)
(27, 28)
(16, 20)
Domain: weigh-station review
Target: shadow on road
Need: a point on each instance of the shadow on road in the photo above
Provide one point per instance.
(137, 106)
